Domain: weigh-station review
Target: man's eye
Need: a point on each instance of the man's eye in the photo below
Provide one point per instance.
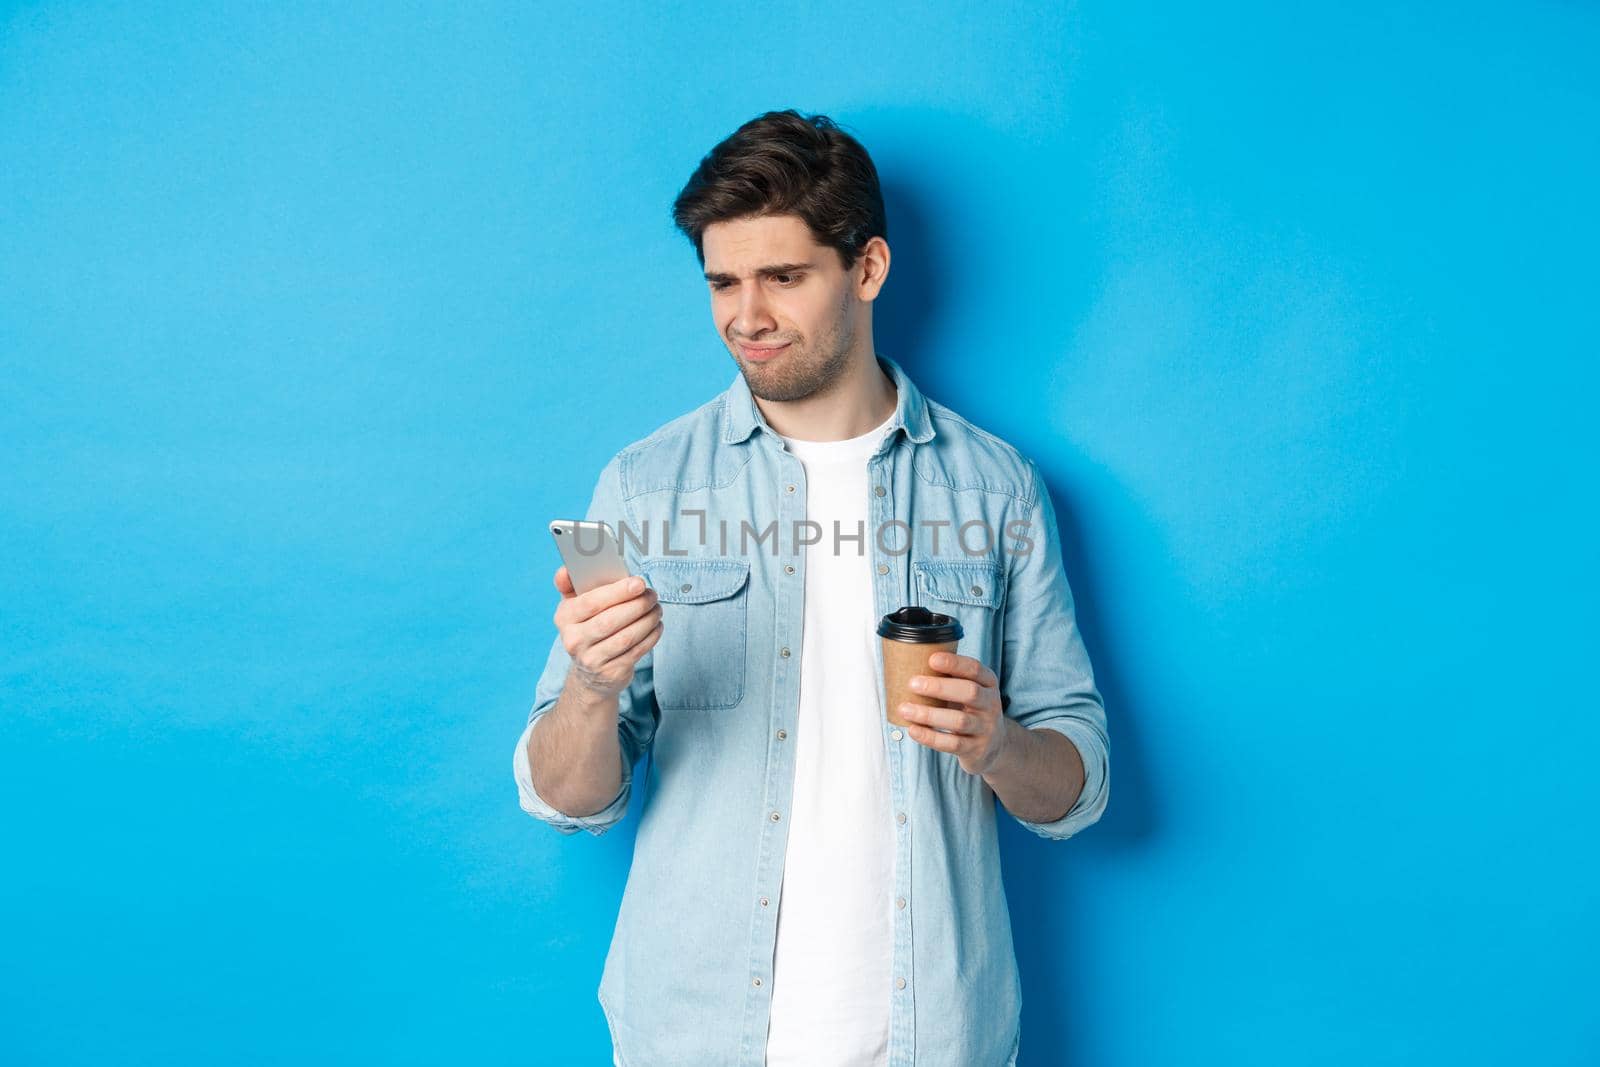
(782, 279)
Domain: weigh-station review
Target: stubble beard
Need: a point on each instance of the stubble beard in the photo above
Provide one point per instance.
(802, 372)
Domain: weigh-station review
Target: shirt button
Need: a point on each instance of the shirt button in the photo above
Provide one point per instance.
(775, 816)
(977, 590)
(883, 568)
(879, 490)
(788, 568)
(895, 734)
(685, 587)
(757, 981)
(899, 983)
(788, 489)
(764, 902)
(782, 734)
(900, 817)
(899, 902)
(784, 651)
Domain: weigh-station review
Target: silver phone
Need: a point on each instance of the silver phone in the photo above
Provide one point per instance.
(590, 550)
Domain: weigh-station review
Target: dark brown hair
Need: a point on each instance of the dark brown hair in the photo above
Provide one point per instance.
(785, 163)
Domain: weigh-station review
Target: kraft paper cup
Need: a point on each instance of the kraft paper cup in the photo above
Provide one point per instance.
(911, 635)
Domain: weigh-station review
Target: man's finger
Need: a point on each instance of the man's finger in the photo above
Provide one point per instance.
(563, 582)
(962, 667)
(926, 735)
(950, 720)
(957, 690)
(601, 597)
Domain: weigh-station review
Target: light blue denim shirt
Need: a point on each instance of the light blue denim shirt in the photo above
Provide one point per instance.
(961, 522)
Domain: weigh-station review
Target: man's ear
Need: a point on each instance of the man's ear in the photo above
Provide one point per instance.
(873, 267)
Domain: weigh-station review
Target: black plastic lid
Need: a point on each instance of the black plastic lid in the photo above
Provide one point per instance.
(919, 626)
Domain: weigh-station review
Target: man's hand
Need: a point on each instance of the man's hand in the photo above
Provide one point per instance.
(606, 631)
(977, 730)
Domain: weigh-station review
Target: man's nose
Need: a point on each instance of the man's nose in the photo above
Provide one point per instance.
(753, 317)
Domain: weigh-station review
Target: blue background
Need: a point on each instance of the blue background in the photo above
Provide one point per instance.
(310, 318)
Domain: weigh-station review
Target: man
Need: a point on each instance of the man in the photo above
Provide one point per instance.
(812, 884)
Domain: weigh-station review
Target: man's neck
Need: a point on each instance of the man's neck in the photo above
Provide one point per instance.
(862, 398)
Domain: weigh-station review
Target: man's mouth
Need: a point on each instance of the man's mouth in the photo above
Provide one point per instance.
(760, 353)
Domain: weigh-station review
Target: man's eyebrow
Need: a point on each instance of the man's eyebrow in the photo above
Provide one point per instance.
(771, 269)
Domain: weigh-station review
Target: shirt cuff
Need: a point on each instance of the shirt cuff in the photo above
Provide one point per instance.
(1091, 801)
(535, 805)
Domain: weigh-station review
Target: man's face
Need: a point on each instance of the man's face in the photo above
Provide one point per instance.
(772, 284)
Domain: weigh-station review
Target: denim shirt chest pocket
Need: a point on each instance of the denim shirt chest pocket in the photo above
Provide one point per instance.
(699, 661)
(971, 591)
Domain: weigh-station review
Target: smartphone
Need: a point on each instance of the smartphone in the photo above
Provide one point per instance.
(590, 550)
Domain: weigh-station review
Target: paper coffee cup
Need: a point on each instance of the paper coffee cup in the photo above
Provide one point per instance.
(910, 636)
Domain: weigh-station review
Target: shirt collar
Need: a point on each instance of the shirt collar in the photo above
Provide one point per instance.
(741, 417)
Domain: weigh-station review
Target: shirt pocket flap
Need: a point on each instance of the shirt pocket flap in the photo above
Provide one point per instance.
(975, 582)
(695, 581)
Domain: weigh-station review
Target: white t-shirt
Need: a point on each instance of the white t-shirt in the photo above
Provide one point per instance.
(835, 936)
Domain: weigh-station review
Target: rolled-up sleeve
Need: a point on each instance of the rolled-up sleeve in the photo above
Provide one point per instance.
(637, 712)
(1046, 680)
